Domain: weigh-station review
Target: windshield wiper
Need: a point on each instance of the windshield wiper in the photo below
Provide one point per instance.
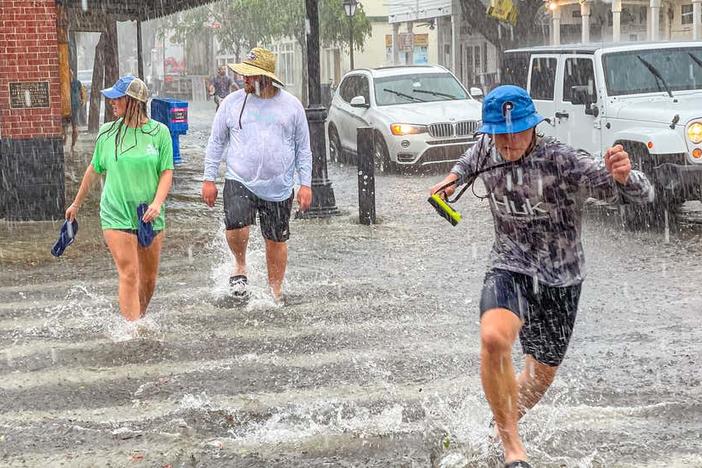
(397, 93)
(434, 93)
(654, 71)
(695, 59)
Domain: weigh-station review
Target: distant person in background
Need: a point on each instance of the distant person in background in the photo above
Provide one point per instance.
(221, 85)
(135, 154)
(238, 82)
(76, 104)
(83, 112)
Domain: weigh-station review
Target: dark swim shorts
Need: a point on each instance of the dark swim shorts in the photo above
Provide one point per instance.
(547, 312)
(241, 206)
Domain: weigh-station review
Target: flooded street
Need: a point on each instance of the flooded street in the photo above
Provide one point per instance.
(372, 362)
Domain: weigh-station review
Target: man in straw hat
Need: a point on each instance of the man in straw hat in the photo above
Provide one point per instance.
(536, 187)
(262, 132)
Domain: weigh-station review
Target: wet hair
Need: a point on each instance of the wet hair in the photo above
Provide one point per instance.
(135, 112)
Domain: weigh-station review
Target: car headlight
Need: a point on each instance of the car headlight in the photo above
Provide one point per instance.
(400, 129)
(694, 133)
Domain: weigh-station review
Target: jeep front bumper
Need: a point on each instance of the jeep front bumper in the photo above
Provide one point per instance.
(678, 182)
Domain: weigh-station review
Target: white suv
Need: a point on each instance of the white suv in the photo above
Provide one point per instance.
(421, 115)
(645, 96)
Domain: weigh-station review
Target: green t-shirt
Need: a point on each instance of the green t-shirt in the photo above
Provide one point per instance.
(132, 171)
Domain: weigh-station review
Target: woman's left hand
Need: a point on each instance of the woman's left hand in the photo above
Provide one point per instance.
(152, 212)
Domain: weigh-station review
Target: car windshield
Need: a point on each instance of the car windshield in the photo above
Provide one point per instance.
(402, 89)
(628, 73)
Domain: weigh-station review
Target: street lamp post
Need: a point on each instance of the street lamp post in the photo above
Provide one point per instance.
(350, 9)
(323, 202)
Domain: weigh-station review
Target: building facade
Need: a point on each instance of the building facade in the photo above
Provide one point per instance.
(31, 108)
(420, 44)
(474, 59)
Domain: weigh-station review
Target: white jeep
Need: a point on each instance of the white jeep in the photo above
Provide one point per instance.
(647, 97)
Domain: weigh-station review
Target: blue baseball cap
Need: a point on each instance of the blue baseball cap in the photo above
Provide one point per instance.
(128, 85)
(512, 101)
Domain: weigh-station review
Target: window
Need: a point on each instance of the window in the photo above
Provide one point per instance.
(347, 90)
(626, 73)
(485, 59)
(285, 69)
(515, 68)
(477, 59)
(686, 15)
(354, 85)
(421, 87)
(578, 72)
(362, 88)
(543, 76)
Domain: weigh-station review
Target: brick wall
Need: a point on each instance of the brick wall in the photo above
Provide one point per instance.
(29, 52)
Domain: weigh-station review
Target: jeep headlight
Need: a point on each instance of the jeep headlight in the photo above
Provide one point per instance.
(694, 133)
(400, 129)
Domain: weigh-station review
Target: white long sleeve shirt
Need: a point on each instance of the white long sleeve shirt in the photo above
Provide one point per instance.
(263, 145)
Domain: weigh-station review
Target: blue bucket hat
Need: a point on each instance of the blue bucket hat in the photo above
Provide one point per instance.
(508, 100)
(128, 85)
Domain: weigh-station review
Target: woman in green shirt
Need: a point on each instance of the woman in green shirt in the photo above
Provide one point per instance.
(135, 154)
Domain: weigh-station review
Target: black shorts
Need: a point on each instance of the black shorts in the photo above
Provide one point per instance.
(241, 206)
(547, 312)
(135, 231)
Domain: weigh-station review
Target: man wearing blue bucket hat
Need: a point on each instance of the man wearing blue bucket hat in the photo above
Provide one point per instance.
(536, 187)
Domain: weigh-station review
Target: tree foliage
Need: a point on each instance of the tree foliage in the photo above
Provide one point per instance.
(527, 30)
(240, 25)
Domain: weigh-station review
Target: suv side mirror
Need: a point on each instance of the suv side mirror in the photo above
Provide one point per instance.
(581, 96)
(359, 101)
(476, 92)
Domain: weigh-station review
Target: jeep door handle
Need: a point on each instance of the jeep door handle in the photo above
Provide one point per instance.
(562, 115)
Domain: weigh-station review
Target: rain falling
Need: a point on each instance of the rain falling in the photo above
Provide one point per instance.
(224, 236)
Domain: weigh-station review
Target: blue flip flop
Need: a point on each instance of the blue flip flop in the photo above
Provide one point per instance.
(145, 232)
(67, 235)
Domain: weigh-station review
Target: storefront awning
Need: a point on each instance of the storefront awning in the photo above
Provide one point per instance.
(124, 10)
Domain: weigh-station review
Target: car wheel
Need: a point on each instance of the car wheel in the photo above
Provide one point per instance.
(335, 151)
(381, 155)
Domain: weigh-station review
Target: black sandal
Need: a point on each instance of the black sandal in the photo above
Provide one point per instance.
(517, 464)
(238, 285)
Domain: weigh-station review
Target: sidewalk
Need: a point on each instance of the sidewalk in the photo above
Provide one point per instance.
(404, 216)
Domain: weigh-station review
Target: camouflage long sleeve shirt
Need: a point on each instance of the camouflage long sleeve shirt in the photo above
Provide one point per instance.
(537, 205)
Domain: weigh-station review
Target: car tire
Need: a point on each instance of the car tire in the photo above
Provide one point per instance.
(336, 153)
(381, 155)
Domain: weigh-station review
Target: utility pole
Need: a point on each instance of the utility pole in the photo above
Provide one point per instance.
(323, 202)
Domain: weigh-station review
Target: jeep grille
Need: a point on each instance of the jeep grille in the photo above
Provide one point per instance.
(453, 129)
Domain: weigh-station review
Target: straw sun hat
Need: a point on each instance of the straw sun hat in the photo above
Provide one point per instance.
(259, 62)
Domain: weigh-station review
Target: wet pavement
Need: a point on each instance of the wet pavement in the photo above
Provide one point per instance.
(372, 362)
